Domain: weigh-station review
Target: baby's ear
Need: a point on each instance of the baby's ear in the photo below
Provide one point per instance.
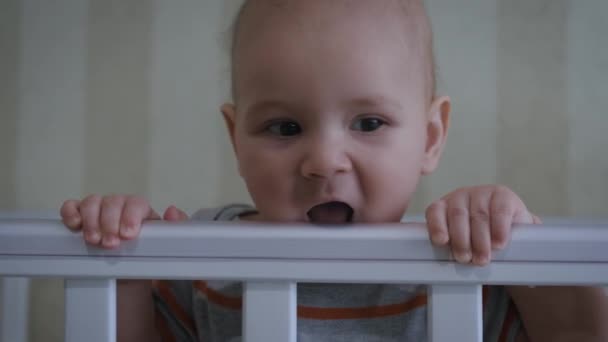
(437, 131)
(229, 113)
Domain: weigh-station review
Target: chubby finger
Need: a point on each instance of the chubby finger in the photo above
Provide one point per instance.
(172, 213)
(480, 227)
(458, 227)
(109, 220)
(502, 211)
(437, 223)
(135, 211)
(70, 214)
(89, 211)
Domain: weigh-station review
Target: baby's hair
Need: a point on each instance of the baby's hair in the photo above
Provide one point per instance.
(416, 21)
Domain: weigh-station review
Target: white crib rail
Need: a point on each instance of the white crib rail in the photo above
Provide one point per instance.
(271, 260)
(14, 298)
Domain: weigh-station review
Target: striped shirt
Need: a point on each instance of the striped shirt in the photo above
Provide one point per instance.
(210, 311)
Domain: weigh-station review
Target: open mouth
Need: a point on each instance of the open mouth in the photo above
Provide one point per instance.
(331, 213)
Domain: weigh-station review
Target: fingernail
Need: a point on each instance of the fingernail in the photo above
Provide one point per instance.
(74, 222)
(463, 257)
(92, 236)
(110, 241)
(497, 245)
(127, 230)
(480, 260)
(439, 239)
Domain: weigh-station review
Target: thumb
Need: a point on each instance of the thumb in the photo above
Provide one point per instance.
(523, 216)
(174, 214)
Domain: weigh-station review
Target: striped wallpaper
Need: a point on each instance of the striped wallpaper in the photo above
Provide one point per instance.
(123, 96)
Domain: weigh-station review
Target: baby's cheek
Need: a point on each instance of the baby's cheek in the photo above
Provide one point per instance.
(267, 180)
(391, 205)
(392, 187)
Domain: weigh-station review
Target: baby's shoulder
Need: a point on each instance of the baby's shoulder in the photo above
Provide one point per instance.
(229, 212)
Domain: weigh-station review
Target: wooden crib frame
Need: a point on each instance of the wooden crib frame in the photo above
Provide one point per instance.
(272, 260)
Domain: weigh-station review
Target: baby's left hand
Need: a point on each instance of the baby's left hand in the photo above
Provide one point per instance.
(476, 220)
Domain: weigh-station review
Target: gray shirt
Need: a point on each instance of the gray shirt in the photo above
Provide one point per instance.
(210, 311)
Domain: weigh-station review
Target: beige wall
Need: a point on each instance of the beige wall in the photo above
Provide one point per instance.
(123, 96)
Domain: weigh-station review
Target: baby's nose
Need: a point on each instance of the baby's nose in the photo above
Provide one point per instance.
(323, 160)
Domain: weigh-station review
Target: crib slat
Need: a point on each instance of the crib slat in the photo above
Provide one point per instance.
(455, 313)
(14, 309)
(90, 310)
(270, 312)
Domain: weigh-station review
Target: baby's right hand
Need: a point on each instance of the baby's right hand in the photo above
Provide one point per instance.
(107, 220)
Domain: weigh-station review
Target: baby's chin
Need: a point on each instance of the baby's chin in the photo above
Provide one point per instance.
(356, 218)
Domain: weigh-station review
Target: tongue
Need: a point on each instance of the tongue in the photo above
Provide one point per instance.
(332, 212)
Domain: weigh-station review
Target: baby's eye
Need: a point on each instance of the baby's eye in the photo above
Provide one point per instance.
(368, 124)
(284, 128)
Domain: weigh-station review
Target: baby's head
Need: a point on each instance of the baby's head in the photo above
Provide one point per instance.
(335, 116)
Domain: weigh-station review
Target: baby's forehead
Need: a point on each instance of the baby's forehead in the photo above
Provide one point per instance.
(279, 25)
(310, 14)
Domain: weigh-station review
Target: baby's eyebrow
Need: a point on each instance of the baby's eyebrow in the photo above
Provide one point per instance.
(375, 102)
(364, 102)
(266, 105)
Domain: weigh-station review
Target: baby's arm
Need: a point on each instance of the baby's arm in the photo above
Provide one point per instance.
(562, 314)
(105, 221)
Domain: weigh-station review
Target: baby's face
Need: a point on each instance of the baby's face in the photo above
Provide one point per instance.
(332, 118)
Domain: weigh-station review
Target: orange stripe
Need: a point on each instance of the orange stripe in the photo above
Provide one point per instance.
(361, 312)
(163, 328)
(167, 295)
(322, 313)
(215, 297)
(507, 323)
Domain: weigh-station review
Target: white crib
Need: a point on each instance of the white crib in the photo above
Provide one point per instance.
(271, 260)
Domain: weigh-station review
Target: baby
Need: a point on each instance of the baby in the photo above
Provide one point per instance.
(334, 119)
